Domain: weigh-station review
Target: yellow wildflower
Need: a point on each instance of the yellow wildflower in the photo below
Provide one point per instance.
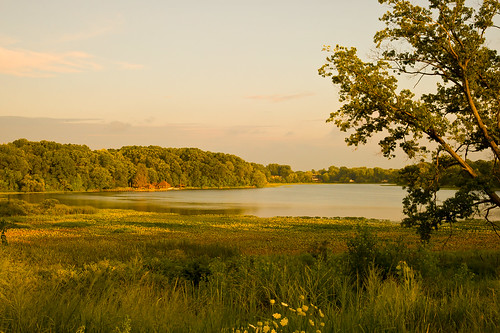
(302, 297)
(276, 316)
(284, 322)
(272, 301)
(284, 304)
(266, 329)
(305, 308)
(311, 322)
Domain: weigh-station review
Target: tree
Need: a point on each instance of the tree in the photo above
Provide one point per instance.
(141, 176)
(460, 115)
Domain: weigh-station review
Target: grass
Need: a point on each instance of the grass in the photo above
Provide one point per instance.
(127, 271)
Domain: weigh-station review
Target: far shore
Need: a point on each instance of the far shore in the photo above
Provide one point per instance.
(132, 189)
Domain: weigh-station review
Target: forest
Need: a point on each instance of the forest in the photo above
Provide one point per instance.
(28, 166)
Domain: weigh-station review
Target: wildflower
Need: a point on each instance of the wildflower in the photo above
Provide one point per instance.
(259, 323)
(318, 331)
(272, 301)
(311, 322)
(303, 314)
(302, 297)
(266, 329)
(284, 322)
(322, 324)
(299, 310)
(305, 308)
(273, 331)
(321, 313)
(284, 304)
(276, 316)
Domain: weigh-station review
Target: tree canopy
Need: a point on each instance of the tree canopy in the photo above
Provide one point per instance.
(29, 166)
(447, 41)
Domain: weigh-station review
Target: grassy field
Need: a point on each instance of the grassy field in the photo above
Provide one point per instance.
(86, 270)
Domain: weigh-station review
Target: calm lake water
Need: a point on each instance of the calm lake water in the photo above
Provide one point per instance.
(325, 200)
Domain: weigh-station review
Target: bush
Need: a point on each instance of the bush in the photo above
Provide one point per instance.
(362, 250)
(14, 208)
(48, 203)
(365, 252)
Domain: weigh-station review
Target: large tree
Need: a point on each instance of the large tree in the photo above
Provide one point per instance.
(456, 117)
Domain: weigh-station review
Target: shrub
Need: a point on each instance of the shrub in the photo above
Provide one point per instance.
(365, 251)
(362, 251)
(196, 270)
(48, 203)
(14, 208)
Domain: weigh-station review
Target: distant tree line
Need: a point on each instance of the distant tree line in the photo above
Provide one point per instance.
(284, 174)
(49, 166)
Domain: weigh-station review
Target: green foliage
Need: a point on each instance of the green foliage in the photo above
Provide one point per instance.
(358, 175)
(445, 40)
(128, 295)
(95, 280)
(196, 271)
(14, 208)
(48, 166)
(365, 252)
(362, 251)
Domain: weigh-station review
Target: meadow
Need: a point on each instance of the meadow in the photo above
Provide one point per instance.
(70, 269)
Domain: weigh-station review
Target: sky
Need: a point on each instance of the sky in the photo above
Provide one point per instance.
(231, 76)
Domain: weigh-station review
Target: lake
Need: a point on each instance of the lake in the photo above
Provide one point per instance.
(325, 200)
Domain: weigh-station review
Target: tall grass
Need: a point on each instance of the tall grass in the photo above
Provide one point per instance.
(107, 296)
(59, 277)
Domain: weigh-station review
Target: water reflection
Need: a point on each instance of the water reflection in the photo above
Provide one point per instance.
(326, 200)
(144, 202)
(323, 200)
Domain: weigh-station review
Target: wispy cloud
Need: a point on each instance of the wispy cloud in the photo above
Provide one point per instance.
(276, 98)
(128, 65)
(27, 63)
(96, 30)
(21, 62)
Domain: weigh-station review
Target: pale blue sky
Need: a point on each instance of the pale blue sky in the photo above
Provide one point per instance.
(237, 77)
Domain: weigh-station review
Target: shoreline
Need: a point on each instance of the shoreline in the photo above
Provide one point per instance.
(131, 189)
